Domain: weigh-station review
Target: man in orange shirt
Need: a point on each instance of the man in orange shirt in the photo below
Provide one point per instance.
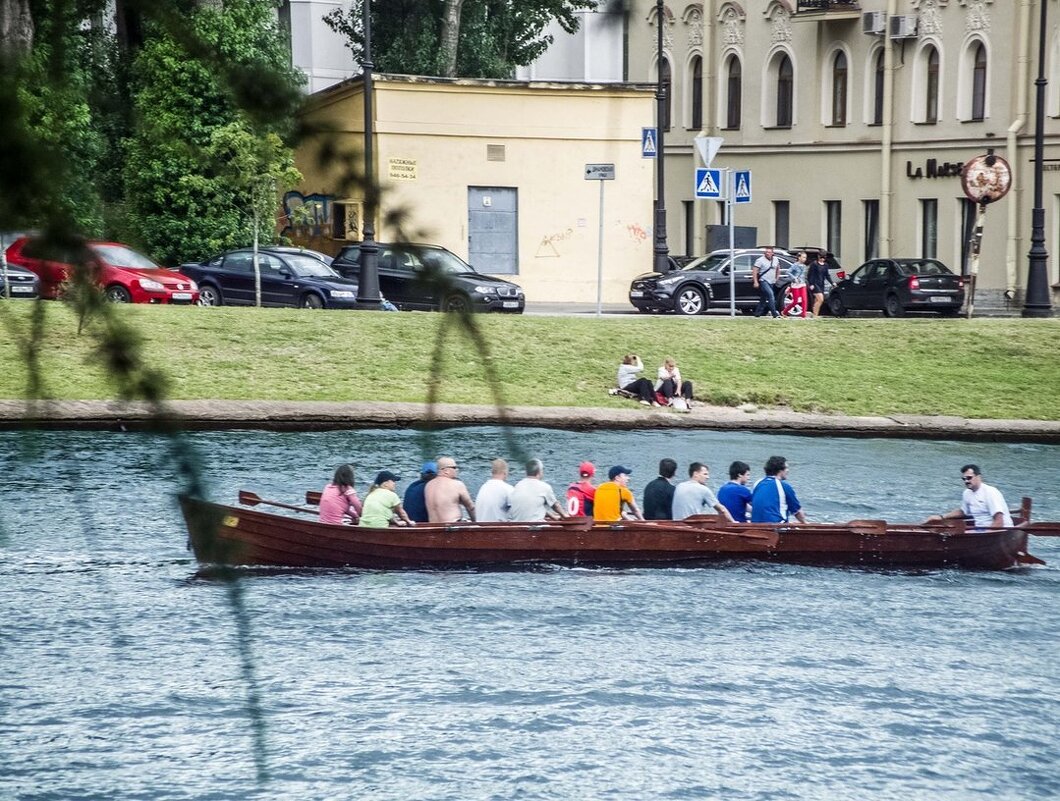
(613, 495)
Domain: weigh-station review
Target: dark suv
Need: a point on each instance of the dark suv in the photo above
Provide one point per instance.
(704, 284)
(431, 278)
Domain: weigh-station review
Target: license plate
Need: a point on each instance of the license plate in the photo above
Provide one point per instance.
(636, 293)
(23, 289)
(181, 296)
(937, 299)
(511, 304)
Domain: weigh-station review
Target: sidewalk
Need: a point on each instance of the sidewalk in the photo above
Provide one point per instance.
(324, 415)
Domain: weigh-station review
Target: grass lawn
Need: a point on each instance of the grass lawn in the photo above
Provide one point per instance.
(996, 368)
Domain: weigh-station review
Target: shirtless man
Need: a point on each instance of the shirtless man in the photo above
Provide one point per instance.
(447, 493)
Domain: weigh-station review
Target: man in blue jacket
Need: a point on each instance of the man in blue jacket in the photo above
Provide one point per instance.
(773, 500)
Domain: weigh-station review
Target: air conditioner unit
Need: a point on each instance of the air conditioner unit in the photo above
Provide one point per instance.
(903, 27)
(874, 22)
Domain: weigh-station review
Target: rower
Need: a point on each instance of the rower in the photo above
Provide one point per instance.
(981, 502)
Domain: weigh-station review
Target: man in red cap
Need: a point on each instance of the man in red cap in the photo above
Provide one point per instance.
(581, 493)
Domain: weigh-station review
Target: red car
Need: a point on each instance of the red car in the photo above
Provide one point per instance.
(124, 275)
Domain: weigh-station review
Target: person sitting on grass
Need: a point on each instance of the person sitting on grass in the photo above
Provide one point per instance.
(627, 380)
(382, 505)
(669, 383)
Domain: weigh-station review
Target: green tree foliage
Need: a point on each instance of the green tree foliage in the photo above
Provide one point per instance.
(197, 128)
(495, 36)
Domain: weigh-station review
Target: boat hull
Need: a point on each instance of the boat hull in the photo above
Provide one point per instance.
(235, 536)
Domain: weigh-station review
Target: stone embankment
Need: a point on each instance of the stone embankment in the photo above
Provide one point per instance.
(320, 415)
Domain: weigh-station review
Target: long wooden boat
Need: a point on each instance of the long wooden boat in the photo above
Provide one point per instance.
(880, 544)
(232, 535)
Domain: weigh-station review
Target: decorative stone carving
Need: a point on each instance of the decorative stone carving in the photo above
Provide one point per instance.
(731, 21)
(930, 18)
(668, 34)
(694, 21)
(779, 13)
(976, 17)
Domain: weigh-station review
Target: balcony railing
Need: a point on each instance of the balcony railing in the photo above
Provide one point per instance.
(827, 5)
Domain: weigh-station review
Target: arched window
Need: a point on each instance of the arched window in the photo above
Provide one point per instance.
(979, 83)
(697, 93)
(839, 89)
(734, 93)
(931, 87)
(785, 91)
(877, 90)
(667, 87)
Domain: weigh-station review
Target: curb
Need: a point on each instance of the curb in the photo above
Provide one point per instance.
(200, 415)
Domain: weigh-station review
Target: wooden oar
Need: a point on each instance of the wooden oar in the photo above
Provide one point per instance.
(1042, 529)
(251, 499)
(312, 497)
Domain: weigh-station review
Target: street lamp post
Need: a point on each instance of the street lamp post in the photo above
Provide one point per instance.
(1037, 303)
(368, 285)
(661, 262)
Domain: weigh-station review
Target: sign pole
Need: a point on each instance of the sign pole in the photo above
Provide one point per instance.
(600, 173)
(976, 243)
(600, 257)
(730, 207)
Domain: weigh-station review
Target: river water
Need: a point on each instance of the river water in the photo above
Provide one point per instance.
(124, 674)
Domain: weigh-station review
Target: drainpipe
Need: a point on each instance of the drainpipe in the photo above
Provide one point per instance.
(1022, 78)
(887, 137)
(709, 100)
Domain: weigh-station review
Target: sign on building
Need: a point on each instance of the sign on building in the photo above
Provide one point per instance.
(401, 169)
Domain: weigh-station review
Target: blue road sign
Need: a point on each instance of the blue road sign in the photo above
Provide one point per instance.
(649, 148)
(708, 183)
(742, 181)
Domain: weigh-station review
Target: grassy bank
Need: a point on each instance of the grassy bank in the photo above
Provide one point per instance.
(979, 368)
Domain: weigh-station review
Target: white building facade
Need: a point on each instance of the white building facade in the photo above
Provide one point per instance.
(855, 119)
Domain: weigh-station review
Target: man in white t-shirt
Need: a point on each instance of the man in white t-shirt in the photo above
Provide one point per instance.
(981, 502)
(492, 504)
(764, 275)
(532, 498)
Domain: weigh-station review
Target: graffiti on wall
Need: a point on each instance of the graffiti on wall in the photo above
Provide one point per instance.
(546, 248)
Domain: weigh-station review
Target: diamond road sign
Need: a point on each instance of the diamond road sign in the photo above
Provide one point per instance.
(708, 183)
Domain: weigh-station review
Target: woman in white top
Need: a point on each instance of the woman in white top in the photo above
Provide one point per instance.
(627, 380)
(669, 382)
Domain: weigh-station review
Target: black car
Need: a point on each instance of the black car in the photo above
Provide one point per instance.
(431, 278)
(289, 277)
(704, 283)
(23, 283)
(895, 286)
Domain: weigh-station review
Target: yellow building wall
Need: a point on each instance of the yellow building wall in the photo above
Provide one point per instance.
(433, 141)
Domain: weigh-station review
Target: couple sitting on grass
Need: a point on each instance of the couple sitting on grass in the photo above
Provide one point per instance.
(668, 389)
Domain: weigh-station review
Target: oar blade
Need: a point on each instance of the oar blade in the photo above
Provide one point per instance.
(249, 498)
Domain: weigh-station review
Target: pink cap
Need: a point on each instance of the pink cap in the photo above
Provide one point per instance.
(587, 469)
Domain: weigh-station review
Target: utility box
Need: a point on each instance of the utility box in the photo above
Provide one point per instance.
(744, 236)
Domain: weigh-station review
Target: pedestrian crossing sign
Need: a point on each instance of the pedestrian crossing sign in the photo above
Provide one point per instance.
(742, 181)
(649, 147)
(708, 183)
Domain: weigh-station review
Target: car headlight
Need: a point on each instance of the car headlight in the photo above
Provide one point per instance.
(151, 286)
(341, 293)
(486, 290)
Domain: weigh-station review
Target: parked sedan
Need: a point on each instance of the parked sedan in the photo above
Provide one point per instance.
(124, 275)
(431, 278)
(289, 277)
(704, 283)
(895, 286)
(21, 282)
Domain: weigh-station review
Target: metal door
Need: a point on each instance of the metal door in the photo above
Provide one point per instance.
(493, 229)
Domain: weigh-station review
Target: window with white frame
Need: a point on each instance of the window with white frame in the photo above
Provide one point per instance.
(667, 86)
(929, 228)
(833, 220)
(927, 78)
(974, 76)
(839, 84)
(733, 92)
(877, 87)
(696, 83)
(778, 109)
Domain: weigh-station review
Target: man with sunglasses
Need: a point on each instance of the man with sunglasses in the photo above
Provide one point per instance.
(447, 493)
(981, 502)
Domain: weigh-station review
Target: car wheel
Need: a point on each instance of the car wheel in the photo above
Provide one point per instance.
(892, 307)
(836, 306)
(209, 295)
(689, 301)
(116, 293)
(311, 300)
(456, 303)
